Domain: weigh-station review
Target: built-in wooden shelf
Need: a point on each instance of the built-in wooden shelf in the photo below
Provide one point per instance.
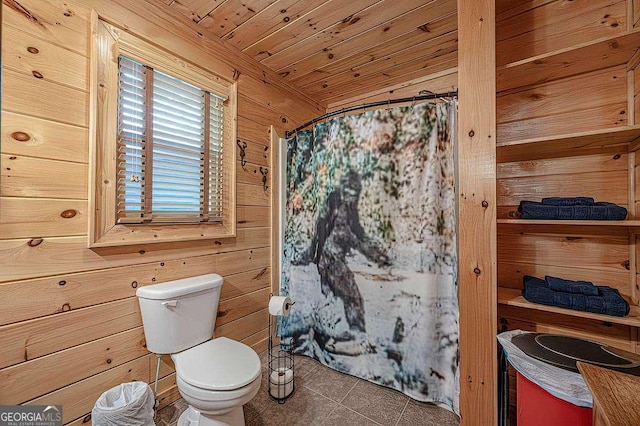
(582, 143)
(513, 297)
(585, 57)
(535, 222)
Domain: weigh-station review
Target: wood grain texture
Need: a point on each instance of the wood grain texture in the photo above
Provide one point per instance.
(567, 145)
(446, 81)
(393, 37)
(26, 94)
(32, 177)
(68, 366)
(59, 22)
(615, 395)
(78, 399)
(299, 37)
(557, 24)
(477, 222)
(27, 54)
(33, 137)
(573, 60)
(44, 217)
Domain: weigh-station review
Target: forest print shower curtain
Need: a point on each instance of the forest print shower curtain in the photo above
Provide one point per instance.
(370, 248)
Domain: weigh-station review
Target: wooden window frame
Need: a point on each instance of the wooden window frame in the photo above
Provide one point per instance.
(107, 43)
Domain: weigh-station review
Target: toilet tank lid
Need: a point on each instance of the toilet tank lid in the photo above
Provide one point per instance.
(177, 288)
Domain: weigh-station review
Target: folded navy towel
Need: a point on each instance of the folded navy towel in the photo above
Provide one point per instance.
(608, 301)
(595, 211)
(568, 201)
(568, 286)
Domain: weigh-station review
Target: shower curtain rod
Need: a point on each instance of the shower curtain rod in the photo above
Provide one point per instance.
(288, 133)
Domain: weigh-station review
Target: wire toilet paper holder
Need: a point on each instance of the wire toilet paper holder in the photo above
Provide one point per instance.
(281, 379)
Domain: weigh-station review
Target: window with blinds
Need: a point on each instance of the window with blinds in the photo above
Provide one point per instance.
(170, 143)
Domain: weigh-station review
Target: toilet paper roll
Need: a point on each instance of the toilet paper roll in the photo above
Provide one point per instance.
(281, 383)
(280, 306)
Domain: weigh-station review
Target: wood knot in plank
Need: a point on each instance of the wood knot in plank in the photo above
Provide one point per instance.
(220, 314)
(69, 213)
(21, 136)
(37, 74)
(33, 50)
(66, 307)
(260, 274)
(35, 242)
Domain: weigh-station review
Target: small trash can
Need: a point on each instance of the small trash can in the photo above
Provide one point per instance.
(546, 394)
(536, 406)
(127, 404)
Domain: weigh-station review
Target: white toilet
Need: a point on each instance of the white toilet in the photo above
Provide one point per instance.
(216, 377)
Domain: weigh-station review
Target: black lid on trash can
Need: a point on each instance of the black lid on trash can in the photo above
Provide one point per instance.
(565, 351)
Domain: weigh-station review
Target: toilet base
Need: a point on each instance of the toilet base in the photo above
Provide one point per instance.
(193, 417)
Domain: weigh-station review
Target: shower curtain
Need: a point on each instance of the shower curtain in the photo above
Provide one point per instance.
(369, 248)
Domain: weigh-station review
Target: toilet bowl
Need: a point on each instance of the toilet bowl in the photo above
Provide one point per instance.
(216, 377)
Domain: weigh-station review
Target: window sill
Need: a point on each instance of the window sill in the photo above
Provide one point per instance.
(127, 235)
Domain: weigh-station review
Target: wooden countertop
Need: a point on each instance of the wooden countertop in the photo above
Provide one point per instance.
(616, 396)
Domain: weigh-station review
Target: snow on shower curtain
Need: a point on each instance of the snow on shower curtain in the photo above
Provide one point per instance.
(370, 248)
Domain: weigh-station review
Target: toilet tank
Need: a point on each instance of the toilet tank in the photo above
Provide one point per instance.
(180, 314)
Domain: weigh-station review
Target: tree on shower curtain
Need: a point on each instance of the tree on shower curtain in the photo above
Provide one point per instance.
(370, 248)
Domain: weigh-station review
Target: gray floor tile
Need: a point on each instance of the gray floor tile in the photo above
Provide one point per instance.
(304, 408)
(418, 413)
(330, 383)
(169, 415)
(254, 407)
(303, 365)
(342, 416)
(316, 402)
(376, 402)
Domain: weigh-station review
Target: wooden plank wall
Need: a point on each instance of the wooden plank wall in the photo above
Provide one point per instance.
(70, 326)
(446, 81)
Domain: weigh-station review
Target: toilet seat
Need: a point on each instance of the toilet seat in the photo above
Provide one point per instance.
(220, 364)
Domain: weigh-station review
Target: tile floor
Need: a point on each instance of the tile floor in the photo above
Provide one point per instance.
(326, 397)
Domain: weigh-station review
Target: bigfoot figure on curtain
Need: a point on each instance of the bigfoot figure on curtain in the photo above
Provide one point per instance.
(370, 248)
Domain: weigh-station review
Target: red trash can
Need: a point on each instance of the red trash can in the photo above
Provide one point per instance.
(536, 407)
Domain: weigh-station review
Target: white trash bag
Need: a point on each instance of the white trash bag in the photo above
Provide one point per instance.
(128, 404)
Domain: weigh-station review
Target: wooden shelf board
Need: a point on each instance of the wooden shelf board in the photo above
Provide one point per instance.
(567, 145)
(513, 297)
(525, 222)
(585, 57)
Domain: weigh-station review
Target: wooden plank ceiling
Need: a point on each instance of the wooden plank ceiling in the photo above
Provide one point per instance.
(336, 49)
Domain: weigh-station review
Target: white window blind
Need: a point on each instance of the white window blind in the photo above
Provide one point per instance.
(170, 141)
